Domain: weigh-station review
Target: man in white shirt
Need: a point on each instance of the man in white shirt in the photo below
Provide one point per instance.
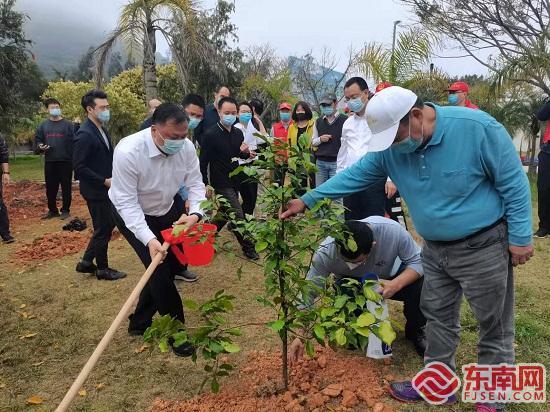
(355, 140)
(149, 168)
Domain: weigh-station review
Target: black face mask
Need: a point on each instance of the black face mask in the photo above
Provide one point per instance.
(301, 116)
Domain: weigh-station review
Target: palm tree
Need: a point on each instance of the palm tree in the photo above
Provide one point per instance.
(406, 65)
(137, 27)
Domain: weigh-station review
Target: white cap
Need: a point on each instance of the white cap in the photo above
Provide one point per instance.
(384, 111)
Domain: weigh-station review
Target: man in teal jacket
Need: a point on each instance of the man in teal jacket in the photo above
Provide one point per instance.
(469, 198)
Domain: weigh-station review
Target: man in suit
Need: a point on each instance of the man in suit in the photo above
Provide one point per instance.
(93, 166)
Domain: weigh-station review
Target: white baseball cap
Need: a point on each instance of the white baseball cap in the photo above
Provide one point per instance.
(384, 111)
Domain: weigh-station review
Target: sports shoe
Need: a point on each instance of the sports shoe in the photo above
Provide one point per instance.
(542, 232)
(85, 267)
(404, 392)
(8, 239)
(187, 276)
(109, 274)
(480, 407)
(64, 215)
(50, 215)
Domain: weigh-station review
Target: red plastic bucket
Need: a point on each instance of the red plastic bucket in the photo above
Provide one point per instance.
(197, 244)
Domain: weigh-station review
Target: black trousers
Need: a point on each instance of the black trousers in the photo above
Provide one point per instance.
(103, 223)
(159, 294)
(232, 196)
(410, 296)
(4, 220)
(58, 174)
(249, 194)
(369, 202)
(543, 188)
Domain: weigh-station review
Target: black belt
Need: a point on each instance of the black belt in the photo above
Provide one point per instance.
(479, 232)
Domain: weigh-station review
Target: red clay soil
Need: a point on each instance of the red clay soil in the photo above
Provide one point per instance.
(27, 200)
(330, 382)
(51, 246)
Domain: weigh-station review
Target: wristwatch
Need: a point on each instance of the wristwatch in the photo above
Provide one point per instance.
(196, 214)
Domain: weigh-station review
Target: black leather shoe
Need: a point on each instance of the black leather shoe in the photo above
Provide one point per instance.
(109, 274)
(50, 215)
(134, 330)
(419, 341)
(184, 350)
(251, 254)
(86, 267)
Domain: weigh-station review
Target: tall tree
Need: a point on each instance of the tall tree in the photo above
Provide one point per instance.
(515, 31)
(115, 65)
(21, 83)
(84, 70)
(138, 25)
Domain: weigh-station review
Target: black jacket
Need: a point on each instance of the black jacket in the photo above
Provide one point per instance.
(544, 112)
(218, 152)
(210, 118)
(92, 161)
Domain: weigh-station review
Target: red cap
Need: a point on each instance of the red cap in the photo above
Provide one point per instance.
(285, 105)
(458, 87)
(382, 86)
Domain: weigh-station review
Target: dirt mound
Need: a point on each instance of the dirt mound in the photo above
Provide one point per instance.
(330, 381)
(51, 246)
(27, 199)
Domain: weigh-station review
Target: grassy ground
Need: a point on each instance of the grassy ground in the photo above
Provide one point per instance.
(27, 167)
(69, 312)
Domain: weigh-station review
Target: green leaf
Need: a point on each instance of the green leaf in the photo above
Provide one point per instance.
(215, 385)
(163, 345)
(176, 230)
(239, 272)
(234, 331)
(309, 349)
(385, 332)
(340, 301)
(226, 366)
(366, 319)
(261, 245)
(363, 331)
(230, 347)
(276, 325)
(351, 244)
(340, 337)
(190, 304)
(379, 311)
(371, 294)
(360, 300)
(319, 332)
(351, 307)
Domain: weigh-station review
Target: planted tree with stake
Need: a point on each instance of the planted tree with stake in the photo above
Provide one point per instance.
(337, 317)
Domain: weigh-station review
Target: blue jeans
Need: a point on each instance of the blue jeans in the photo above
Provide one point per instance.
(325, 171)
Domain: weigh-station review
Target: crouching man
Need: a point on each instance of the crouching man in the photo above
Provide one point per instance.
(380, 242)
(149, 168)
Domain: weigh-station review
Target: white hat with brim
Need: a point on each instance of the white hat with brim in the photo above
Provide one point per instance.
(384, 112)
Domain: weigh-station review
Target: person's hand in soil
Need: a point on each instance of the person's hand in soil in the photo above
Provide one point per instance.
(293, 207)
(154, 248)
(295, 351)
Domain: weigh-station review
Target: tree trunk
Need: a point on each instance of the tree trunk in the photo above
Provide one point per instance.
(149, 65)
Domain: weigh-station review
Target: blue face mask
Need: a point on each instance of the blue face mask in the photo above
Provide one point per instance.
(104, 116)
(171, 147)
(327, 110)
(245, 117)
(409, 144)
(55, 112)
(356, 105)
(228, 119)
(453, 99)
(284, 116)
(193, 122)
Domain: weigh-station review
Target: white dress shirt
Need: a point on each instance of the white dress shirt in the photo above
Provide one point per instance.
(249, 138)
(145, 181)
(356, 137)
